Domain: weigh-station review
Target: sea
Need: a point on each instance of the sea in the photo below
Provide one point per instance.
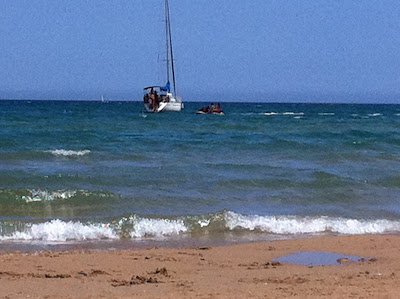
(92, 174)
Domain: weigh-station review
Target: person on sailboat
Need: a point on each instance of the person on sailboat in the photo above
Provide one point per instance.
(152, 97)
(156, 101)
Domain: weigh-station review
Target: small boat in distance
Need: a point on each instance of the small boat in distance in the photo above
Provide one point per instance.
(162, 98)
(213, 109)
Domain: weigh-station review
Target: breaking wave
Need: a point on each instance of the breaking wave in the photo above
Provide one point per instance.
(60, 231)
(42, 195)
(157, 228)
(137, 227)
(14, 196)
(307, 225)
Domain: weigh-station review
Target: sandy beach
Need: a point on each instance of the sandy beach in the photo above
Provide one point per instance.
(234, 271)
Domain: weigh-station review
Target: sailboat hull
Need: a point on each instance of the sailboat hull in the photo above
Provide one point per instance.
(166, 102)
(174, 104)
(160, 108)
(173, 107)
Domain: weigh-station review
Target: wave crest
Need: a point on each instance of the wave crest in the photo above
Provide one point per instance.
(60, 231)
(136, 227)
(304, 225)
(68, 153)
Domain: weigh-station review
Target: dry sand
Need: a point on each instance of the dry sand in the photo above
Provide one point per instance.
(235, 271)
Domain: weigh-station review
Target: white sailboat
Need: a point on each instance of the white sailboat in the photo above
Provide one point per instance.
(163, 98)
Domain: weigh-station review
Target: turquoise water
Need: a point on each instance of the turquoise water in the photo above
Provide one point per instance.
(79, 171)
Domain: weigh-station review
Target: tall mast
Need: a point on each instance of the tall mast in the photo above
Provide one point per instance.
(170, 56)
(166, 11)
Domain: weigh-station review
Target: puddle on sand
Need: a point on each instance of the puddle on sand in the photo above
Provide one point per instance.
(317, 258)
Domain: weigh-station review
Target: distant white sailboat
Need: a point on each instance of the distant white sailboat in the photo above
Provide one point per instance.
(162, 98)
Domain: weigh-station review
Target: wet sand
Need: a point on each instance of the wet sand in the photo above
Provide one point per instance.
(234, 271)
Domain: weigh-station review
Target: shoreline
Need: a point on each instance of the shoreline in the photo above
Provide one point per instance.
(245, 270)
(217, 240)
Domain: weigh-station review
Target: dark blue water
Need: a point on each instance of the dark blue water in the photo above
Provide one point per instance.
(93, 170)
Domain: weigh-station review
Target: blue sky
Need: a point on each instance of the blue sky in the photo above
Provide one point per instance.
(255, 50)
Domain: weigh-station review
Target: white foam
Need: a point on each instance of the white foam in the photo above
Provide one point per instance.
(144, 227)
(60, 231)
(293, 113)
(299, 225)
(204, 222)
(67, 153)
(284, 113)
(40, 195)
